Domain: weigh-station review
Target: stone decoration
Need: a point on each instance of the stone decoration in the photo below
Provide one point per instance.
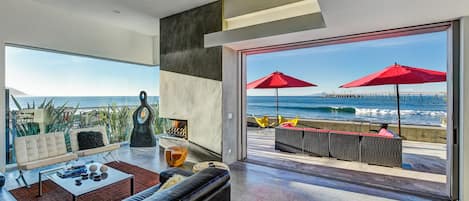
(93, 168)
(103, 169)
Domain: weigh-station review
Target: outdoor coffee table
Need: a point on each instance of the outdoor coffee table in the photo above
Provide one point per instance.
(88, 185)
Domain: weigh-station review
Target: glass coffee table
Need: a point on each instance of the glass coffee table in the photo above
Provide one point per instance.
(88, 185)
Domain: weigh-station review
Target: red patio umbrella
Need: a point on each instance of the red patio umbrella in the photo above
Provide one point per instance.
(398, 74)
(278, 80)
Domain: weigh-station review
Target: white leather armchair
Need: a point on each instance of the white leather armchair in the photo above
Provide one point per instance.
(41, 150)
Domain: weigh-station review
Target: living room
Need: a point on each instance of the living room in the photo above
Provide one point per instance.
(199, 49)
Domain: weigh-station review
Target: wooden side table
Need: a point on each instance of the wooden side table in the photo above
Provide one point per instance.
(202, 165)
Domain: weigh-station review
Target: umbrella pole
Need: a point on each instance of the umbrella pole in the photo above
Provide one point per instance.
(398, 110)
(276, 100)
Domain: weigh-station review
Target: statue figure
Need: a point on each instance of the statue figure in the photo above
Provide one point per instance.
(143, 134)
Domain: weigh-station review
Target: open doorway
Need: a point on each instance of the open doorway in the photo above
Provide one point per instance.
(424, 166)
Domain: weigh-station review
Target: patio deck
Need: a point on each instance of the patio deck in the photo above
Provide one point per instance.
(250, 182)
(423, 169)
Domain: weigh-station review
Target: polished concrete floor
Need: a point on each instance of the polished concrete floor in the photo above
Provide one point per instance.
(423, 165)
(250, 182)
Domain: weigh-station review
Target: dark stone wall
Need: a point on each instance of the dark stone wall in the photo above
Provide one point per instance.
(182, 42)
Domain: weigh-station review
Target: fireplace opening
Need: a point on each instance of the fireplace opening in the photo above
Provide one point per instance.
(178, 129)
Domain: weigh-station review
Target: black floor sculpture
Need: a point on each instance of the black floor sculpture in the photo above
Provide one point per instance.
(142, 133)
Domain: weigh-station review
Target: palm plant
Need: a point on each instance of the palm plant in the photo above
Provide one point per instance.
(117, 120)
(58, 119)
(120, 123)
(45, 103)
(26, 129)
(160, 124)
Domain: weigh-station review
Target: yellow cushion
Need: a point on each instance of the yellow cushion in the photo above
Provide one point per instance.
(175, 179)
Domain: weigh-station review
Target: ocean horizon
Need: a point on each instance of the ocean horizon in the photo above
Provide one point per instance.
(82, 101)
(415, 109)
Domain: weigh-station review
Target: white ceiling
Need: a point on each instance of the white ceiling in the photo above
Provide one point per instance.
(342, 17)
(345, 17)
(139, 15)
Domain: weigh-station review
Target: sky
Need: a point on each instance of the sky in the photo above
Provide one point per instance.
(41, 73)
(334, 65)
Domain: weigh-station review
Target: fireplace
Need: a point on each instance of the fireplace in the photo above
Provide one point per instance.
(178, 129)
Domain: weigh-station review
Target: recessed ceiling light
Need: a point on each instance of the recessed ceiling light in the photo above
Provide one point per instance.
(116, 11)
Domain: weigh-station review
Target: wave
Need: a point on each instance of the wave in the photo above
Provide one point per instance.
(359, 111)
(318, 109)
(377, 112)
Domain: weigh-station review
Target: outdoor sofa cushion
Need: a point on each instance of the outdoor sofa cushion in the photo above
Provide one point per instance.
(383, 151)
(289, 139)
(316, 142)
(344, 145)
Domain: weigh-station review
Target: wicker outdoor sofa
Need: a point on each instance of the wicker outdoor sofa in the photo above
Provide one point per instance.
(351, 146)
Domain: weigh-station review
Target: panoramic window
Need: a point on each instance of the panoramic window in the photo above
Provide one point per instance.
(53, 92)
(375, 107)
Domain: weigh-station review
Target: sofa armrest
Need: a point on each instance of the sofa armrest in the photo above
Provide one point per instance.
(165, 175)
(47, 161)
(97, 150)
(144, 194)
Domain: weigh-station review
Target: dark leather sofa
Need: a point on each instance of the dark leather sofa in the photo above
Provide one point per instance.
(210, 184)
(2, 180)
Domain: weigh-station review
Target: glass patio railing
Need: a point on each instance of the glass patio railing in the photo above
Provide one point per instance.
(47, 118)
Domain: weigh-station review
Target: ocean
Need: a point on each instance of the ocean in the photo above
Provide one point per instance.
(83, 101)
(416, 110)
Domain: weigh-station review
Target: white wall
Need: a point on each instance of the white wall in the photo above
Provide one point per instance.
(2, 107)
(197, 100)
(231, 106)
(464, 120)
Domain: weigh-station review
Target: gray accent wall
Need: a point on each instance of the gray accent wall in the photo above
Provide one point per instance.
(182, 42)
(191, 75)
